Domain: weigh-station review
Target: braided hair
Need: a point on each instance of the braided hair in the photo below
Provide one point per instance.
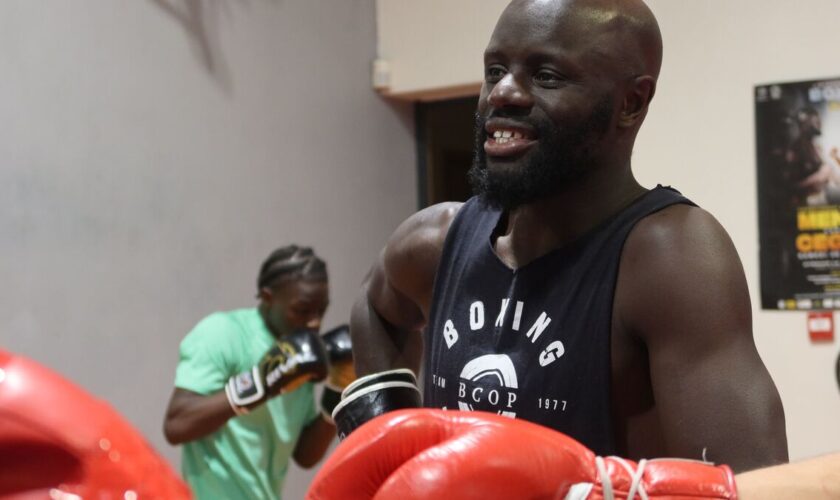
(291, 262)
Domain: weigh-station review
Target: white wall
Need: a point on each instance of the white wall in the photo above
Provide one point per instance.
(152, 154)
(434, 44)
(698, 137)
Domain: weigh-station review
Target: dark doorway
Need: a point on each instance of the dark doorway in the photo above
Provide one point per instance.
(444, 149)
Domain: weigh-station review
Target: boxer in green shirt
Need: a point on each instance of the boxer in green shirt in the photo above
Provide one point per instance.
(243, 403)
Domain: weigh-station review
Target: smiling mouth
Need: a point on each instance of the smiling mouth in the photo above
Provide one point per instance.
(505, 136)
(507, 142)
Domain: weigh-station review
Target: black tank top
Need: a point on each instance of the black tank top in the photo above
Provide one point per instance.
(531, 343)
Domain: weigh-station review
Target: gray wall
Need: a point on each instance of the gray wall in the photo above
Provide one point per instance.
(153, 152)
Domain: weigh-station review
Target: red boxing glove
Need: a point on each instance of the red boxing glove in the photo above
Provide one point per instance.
(57, 441)
(435, 454)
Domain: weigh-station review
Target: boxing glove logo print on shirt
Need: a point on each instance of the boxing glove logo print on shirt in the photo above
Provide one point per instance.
(491, 367)
(489, 382)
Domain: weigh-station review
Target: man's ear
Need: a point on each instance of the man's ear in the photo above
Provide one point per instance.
(636, 101)
(265, 294)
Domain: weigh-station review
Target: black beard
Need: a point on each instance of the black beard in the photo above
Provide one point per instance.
(560, 160)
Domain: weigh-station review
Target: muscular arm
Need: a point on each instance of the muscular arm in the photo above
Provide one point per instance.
(313, 442)
(683, 294)
(393, 304)
(192, 416)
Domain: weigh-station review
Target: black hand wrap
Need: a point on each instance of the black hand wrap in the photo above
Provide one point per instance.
(373, 395)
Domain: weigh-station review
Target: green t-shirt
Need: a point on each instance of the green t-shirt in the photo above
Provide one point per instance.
(249, 455)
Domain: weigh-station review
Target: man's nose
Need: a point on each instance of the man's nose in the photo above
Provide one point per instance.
(509, 93)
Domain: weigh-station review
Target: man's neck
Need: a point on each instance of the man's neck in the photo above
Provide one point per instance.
(532, 230)
(261, 308)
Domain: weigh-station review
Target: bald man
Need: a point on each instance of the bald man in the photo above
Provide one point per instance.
(565, 293)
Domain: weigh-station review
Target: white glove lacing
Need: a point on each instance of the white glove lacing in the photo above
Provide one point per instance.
(581, 491)
(635, 484)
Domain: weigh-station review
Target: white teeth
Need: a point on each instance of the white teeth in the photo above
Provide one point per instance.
(502, 136)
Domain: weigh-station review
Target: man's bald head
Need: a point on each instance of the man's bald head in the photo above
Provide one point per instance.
(624, 31)
(567, 85)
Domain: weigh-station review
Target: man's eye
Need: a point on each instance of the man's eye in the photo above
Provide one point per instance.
(547, 78)
(493, 74)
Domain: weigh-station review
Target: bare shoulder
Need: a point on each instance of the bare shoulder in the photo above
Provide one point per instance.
(680, 261)
(678, 236)
(406, 268)
(417, 242)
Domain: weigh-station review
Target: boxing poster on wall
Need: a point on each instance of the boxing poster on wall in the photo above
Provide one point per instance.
(798, 149)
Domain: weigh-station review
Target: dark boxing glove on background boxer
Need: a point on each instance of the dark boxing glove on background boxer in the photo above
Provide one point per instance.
(293, 360)
(437, 454)
(339, 349)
